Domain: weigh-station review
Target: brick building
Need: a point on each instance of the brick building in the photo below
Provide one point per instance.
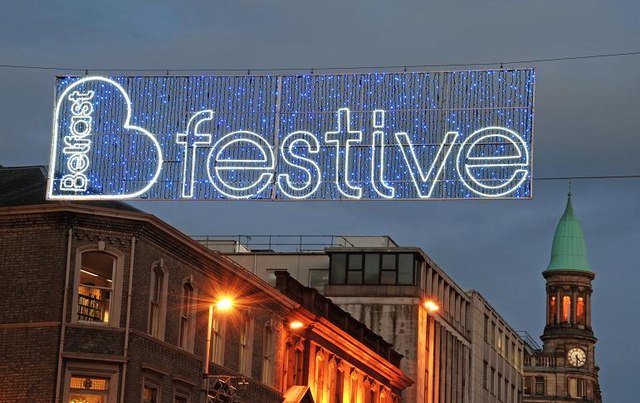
(100, 302)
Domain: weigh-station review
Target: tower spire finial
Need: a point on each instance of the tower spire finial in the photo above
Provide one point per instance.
(569, 194)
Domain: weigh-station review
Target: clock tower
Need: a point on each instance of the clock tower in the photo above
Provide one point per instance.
(565, 369)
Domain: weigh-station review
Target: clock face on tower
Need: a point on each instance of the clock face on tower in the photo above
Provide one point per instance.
(577, 357)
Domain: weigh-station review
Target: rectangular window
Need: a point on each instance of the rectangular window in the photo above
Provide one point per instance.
(157, 302)
(485, 375)
(406, 268)
(493, 334)
(95, 289)
(486, 328)
(500, 387)
(268, 350)
(338, 268)
(580, 310)
(246, 342)
(540, 386)
(566, 309)
(218, 332)
(355, 268)
(493, 381)
(577, 388)
(318, 278)
(186, 317)
(150, 393)
(372, 268)
(91, 389)
(528, 385)
(553, 310)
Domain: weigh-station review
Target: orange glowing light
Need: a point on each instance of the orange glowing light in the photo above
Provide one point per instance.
(224, 304)
(296, 324)
(431, 305)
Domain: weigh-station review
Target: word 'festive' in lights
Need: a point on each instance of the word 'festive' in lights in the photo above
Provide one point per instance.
(101, 151)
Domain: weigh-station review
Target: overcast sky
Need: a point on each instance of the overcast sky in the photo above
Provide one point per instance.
(587, 119)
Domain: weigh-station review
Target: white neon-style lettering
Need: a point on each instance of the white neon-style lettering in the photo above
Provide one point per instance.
(77, 145)
(312, 182)
(518, 177)
(344, 133)
(377, 157)
(220, 165)
(76, 97)
(191, 140)
(425, 183)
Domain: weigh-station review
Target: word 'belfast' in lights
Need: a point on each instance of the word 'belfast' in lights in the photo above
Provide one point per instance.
(359, 136)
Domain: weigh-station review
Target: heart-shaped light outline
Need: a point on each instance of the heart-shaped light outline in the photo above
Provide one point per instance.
(126, 125)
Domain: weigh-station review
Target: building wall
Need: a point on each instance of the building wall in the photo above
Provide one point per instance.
(497, 355)
(108, 346)
(33, 250)
(444, 350)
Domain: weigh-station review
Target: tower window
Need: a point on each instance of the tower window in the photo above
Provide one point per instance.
(566, 309)
(580, 310)
(553, 310)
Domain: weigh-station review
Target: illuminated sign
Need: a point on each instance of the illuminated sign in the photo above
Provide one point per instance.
(372, 136)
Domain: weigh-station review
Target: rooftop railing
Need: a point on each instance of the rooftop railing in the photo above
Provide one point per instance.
(289, 243)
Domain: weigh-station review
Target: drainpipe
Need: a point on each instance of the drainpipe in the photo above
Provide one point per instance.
(126, 332)
(63, 322)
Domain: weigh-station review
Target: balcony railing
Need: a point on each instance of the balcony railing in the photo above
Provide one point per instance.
(539, 361)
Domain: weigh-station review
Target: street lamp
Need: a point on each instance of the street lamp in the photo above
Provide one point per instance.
(222, 305)
(295, 325)
(431, 305)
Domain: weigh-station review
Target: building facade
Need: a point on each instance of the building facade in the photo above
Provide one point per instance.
(403, 296)
(565, 368)
(101, 302)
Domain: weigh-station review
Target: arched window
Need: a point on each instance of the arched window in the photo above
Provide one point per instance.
(98, 290)
(157, 301)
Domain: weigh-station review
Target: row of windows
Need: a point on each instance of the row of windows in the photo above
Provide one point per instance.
(98, 383)
(500, 341)
(536, 385)
(373, 268)
(332, 379)
(565, 309)
(99, 282)
(503, 390)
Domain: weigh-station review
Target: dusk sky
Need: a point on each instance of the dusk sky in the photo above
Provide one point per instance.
(587, 115)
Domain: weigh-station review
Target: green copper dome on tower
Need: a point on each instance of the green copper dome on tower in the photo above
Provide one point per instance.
(569, 251)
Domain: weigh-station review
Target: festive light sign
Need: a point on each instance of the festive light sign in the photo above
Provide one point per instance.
(352, 136)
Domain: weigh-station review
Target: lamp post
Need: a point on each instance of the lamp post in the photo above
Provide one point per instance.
(223, 304)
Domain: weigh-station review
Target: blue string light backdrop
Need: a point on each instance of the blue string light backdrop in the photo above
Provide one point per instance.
(373, 136)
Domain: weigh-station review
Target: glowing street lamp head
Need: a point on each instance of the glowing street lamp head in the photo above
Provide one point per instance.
(224, 304)
(295, 325)
(431, 305)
